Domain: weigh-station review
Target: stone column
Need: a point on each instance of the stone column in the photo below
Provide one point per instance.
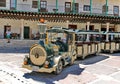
(22, 29)
(107, 30)
(67, 23)
(88, 25)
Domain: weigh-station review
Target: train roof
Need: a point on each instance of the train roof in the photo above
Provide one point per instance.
(114, 33)
(60, 30)
(86, 32)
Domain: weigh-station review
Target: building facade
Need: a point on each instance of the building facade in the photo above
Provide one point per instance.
(22, 16)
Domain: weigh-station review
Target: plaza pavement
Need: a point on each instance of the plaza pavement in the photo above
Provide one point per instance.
(101, 69)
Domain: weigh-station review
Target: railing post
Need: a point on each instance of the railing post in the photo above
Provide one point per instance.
(90, 7)
(15, 4)
(56, 6)
(106, 12)
(38, 5)
(73, 7)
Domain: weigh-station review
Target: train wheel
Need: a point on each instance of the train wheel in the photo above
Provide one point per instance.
(83, 57)
(59, 68)
(111, 51)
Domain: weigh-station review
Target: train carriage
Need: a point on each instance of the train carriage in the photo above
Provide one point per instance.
(85, 48)
(113, 44)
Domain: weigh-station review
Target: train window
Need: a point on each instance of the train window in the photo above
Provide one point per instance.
(70, 38)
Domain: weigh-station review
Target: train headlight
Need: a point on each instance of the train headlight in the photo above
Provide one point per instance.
(55, 48)
(46, 65)
(26, 60)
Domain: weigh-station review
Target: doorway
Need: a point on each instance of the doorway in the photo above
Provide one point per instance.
(76, 7)
(26, 32)
(5, 29)
(67, 6)
(72, 27)
(91, 27)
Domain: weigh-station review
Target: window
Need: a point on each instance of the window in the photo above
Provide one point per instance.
(116, 10)
(104, 8)
(91, 27)
(2, 3)
(43, 4)
(76, 7)
(86, 8)
(67, 6)
(34, 4)
(103, 29)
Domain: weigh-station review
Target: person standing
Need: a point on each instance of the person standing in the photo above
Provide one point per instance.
(8, 35)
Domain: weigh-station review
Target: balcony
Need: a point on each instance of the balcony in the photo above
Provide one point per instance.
(61, 9)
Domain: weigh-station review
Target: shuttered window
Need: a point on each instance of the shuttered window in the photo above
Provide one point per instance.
(104, 8)
(34, 4)
(67, 6)
(2, 3)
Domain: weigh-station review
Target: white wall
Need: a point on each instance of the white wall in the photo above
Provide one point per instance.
(113, 3)
(51, 4)
(26, 5)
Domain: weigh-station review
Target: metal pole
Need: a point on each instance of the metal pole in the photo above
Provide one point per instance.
(90, 7)
(15, 4)
(56, 6)
(38, 5)
(106, 12)
(73, 6)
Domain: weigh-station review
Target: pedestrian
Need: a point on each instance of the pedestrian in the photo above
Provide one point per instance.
(8, 35)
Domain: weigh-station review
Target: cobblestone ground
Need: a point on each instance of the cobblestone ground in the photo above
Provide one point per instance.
(102, 69)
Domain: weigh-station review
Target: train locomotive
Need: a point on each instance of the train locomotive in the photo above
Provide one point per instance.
(53, 54)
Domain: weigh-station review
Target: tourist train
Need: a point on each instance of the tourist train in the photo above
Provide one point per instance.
(62, 46)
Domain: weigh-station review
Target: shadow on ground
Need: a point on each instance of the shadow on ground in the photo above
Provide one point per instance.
(115, 54)
(50, 78)
(91, 59)
(73, 70)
